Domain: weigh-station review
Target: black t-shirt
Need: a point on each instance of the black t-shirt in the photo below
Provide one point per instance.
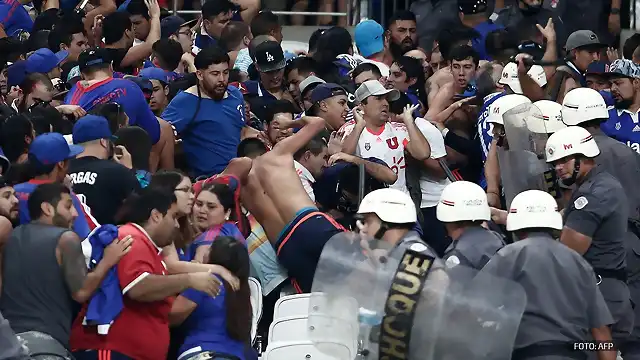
(102, 185)
(116, 56)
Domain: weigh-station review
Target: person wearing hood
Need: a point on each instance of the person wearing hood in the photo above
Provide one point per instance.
(532, 10)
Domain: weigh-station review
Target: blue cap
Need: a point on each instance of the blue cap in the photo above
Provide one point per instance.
(44, 60)
(16, 73)
(369, 38)
(51, 148)
(89, 128)
(598, 68)
(325, 91)
(154, 73)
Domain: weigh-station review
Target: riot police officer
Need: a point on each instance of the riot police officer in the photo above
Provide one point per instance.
(564, 304)
(595, 218)
(463, 208)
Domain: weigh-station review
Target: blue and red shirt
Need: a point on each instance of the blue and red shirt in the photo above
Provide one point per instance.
(14, 17)
(121, 91)
(207, 237)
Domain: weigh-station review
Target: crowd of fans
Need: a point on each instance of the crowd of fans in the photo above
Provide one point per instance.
(124, 231)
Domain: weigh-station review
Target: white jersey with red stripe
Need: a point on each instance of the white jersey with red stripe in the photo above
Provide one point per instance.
(387, 144)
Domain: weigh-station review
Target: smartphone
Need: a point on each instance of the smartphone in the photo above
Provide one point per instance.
(117, 151)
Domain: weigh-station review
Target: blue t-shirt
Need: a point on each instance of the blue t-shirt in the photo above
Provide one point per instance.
(624, 127)
(80, 224)
(207, 238)
(121, 91)
(206, 326)
(14, 17)
(485, 130)
(210, 139)
(478, 44)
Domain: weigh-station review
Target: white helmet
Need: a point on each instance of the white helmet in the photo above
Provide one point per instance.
(510, 76)
(583, 104)
(533, 209)
(391, 205)
(569, 141)
(499, 107)
(545, 117)
(463, 201)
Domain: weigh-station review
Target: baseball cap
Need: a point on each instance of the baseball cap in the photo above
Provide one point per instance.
(51, 148)
(89, 128)
(311, 80)
(369, 38)
(598, 68)
(143, 83)
(268, 56)
(374, 88)
(44, 60)
(325, 91)
(154, 73)
(170, 25)
(16, 73)
(470, 7)
(582, 38)
(92, 57)
(624, 68)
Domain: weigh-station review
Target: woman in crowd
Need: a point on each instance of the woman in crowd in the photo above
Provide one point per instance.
(219, 326)
(212, 215)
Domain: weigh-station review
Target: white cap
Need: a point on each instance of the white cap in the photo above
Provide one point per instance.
(391, 205)
(463, 201)
(510, 76)
(581, 105)
(569, 141)
(499, 107)
(545, 117)
(533, 209)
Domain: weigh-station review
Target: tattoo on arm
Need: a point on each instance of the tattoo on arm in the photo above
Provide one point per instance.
(73, 265)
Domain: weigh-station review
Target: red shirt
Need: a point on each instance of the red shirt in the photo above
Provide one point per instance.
(141, 330)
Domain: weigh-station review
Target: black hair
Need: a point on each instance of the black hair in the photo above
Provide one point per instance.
(501, 45)
(413, 69)
(464, 52)
(315, 146)
(138, 7)
(278, 107)
(45, 193)
(264, 23)
(235, 75)
(333, 42)
(113, 112)
(138, 143)
(364, 67)
(401, 15)
(211, 55)
(168, 52)
(231, 254)
(233, 34)
(63, 34)
(313, 39)
(397, 107)
(46, 118)
(224, 194)
(138, 206)
(212, 8)
(15, 130)
(251, 147)
(114, 26)
(630, 45)
(38, 39)
(453, 35)
(12, 49)
(304, 64)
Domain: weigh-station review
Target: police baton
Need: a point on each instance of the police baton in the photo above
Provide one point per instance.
(528, 62)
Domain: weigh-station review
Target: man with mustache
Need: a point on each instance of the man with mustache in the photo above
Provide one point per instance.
(625, 88)
(8, 214)
(402, 33)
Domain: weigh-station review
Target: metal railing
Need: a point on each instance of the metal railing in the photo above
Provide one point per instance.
(351, 20)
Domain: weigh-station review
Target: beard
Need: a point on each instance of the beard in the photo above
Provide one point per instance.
(623, 104)
(397, 50)
(59, 221)
(215, 91)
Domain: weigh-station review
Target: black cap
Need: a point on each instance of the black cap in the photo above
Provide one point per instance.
(269, 56)
(471, 7)
(171, 24)
(93, 57)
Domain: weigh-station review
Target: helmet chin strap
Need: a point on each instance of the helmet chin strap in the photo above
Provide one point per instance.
(574, 175)
(383, 229)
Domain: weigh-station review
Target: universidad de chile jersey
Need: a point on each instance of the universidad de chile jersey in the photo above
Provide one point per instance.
(623, 126)
(485, 130)
(121, 91)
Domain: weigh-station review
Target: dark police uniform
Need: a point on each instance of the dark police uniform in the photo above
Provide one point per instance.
(563, 299)
(473, 248)
(598, 208)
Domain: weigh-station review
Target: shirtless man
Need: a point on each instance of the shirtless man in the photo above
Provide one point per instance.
(464, 62)
(273, 193)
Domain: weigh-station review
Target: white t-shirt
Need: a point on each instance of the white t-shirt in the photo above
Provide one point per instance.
(432, 189)
(306, 178)
(387, 145)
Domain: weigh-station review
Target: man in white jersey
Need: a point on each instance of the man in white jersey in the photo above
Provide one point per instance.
(371, 135)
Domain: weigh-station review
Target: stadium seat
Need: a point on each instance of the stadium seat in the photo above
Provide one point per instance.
(292, 305)
(256, 305)
(303, 350)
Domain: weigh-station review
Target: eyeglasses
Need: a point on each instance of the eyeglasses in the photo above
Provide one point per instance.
(186, 189)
